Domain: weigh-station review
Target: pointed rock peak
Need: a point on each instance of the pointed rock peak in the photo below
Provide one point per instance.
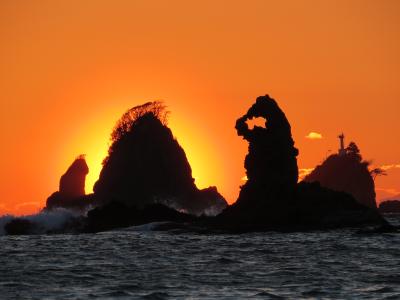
(72, 183)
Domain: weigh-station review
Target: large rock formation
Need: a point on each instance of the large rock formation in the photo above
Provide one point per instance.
(346, 172)
(71, 193)
(271, 163)
(271, 168)
(271, 198)
(147, 165)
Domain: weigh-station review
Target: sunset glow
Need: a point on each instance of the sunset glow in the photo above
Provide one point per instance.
(66, 77)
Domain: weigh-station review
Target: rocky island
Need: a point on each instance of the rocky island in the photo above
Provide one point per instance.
(347, 172)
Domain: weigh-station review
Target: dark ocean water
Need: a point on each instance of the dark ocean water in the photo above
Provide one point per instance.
(140, 264)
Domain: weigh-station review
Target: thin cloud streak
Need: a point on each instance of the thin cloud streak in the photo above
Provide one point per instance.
(391, 191)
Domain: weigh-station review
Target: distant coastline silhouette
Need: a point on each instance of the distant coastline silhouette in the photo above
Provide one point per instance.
(146, 177)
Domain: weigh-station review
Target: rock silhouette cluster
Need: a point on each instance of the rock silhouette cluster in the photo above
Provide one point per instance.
(271, 197)
(146, 177)
(145, 165)
(347, 173)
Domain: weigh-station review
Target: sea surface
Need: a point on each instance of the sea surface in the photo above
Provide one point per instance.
(137, 263)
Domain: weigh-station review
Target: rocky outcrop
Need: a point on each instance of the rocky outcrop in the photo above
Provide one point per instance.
(146, 165)
(118, 215)
(346, 173)
(72, 183)
(20, 226)
(271, 199)
(322, 208)
(390, 207)
(211, 201)
(71, 193)
(271, 163)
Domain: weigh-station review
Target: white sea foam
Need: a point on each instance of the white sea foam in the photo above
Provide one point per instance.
(44, 221)
(144, 227)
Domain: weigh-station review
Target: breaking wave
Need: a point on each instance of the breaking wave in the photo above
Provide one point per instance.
(43, 222)
(145, 227)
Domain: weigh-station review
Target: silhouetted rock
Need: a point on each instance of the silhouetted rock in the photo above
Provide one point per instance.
(71, 192)
(271, 163)
(209, 202)
(346, 173)
(390, 206)
(20, 226)
(326, 208)
(118, 215)
(146, 165)
(271, 199)
(72, 183)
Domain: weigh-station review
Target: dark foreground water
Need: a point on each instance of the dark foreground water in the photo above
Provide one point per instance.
(164, 265)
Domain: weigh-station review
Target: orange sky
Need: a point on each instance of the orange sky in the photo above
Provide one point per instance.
(69, 69)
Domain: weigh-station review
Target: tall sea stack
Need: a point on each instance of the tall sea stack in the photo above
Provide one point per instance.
(146, 165)
(271, 163)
